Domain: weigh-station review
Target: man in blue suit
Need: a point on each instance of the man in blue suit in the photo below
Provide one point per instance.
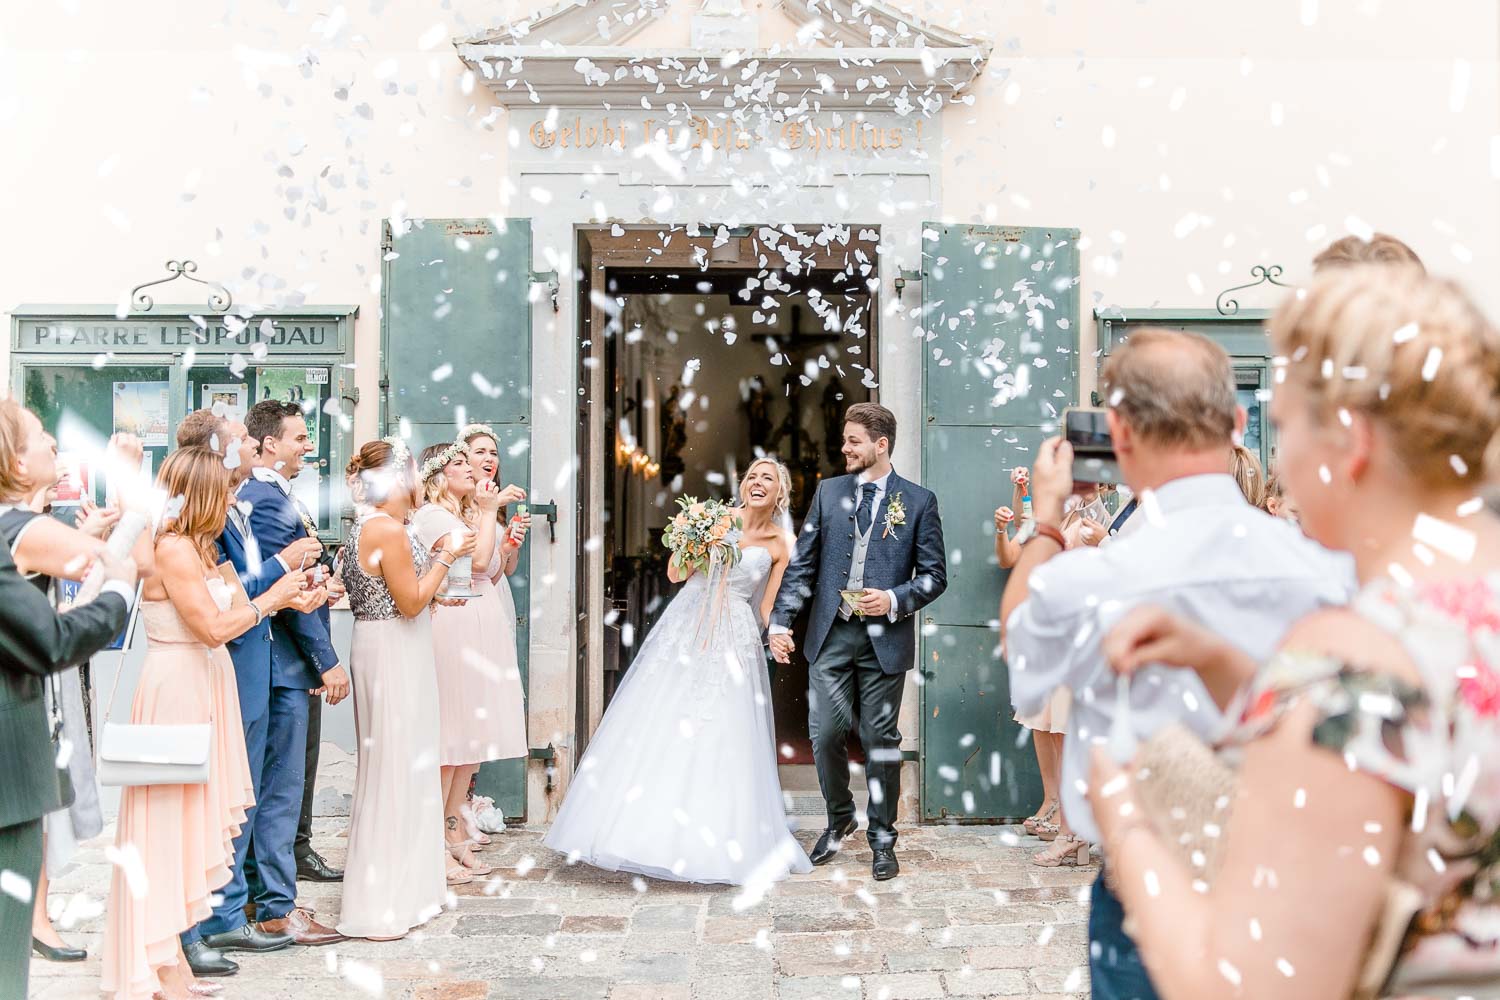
(251, 653)
(303, 663)
(880, 536)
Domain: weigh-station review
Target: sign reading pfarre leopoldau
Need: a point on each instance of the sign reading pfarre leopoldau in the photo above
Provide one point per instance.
(175, 334)
(841, 134)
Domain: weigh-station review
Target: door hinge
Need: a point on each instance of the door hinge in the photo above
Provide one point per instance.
(387, 243)
(548, 278)
(903, 276)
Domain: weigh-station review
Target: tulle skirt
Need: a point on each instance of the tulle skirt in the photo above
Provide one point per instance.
(679, 781)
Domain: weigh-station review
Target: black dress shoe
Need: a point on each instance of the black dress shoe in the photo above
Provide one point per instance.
(314, 869)
(52, 954)
(884, 866)
(206, 962)
(248, 938)
(828, 845)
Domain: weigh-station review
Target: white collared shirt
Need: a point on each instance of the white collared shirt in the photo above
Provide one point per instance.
(1196, 548)
(276, 479)
(283, 484)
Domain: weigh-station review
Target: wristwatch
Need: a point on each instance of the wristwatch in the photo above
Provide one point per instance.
(1032, 530)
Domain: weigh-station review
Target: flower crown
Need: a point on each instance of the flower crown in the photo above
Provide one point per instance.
(474, 430)
(440, 461)
(399, 451)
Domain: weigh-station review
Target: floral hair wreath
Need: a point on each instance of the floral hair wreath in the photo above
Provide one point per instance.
(475, 430)
(437, 463)
(399, 451)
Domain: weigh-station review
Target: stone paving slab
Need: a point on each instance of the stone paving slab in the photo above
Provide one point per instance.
(970, 916)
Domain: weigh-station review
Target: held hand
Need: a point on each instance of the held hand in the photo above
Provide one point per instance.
(1003, 517)
(122, 464)
(875, 603)
(301, 552)
(335, 686)
(457, 550)
(336, 591)
(1150, 635)
(1052, 479)
(510, 494)
(284, 591)
(308, 601)
(448, 602)
(487, 497)
(1092, 532)
(96, 522)
(782, 648)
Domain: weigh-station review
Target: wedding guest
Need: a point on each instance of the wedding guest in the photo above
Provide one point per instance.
(36, 642)
(1007, 549)
(479, 696)
(1246, 470)
(176, 840)
(1195, 544)
(484, 457)
(229, 928)
(44, 550)
(1356, 251)
(394, 878)
(1277, 503)
(1368, 749)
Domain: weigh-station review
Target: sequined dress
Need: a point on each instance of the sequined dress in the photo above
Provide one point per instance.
(680, 780)
(394, 876)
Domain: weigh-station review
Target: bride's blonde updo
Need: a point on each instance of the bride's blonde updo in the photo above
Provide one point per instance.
(1411, 351)
(783, 480)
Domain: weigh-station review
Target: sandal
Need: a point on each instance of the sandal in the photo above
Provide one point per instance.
(1033, 823)
(466, 858)
(1067, 851)
(1047, 832)
(471, 825)
(459, 875)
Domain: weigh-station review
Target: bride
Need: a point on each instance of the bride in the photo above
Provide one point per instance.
(680, 780)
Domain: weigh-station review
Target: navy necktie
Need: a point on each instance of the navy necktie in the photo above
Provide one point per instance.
(864, 517)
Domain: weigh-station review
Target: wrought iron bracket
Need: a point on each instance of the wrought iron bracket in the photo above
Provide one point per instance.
(548, 278)
(1264, 274)
(219, 300)
(902, 277)
(549, 511)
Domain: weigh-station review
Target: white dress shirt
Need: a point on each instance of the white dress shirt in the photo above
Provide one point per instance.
(1197, 549)
(859, 486)
(252, 549)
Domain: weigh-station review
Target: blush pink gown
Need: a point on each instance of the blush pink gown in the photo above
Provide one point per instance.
(175, 841)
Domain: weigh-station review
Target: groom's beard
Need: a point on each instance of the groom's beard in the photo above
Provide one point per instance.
(854, 466)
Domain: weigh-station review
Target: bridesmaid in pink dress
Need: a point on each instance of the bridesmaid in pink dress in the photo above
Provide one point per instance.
(174, 841)
(478, 681)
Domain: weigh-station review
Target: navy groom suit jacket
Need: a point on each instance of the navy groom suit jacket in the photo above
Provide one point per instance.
(251, 651)
(301, 646)
(909, 561)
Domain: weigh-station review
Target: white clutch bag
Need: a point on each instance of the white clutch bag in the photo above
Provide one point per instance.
(154, 755)
(131, 754)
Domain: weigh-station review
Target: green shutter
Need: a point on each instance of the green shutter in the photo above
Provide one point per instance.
(1000, 319)
(456, 347)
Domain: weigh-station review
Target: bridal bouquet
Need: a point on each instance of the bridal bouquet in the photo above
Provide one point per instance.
(705, 535)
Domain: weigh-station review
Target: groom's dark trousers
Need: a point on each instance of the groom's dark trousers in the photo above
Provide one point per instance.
(845, 680)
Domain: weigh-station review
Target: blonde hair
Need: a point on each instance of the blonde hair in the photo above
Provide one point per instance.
(783, 480)
(1174, 388)
(197, 482)
(1354, 251)
(14, 440)
(435, 486)
(1245, 468)
(1410, 351)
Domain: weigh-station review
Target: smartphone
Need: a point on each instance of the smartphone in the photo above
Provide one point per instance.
(1086, 428)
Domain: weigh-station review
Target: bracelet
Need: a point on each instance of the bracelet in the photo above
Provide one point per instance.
(440, 562)
(260, 615)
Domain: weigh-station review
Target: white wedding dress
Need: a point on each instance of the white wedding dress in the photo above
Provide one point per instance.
(680, 780)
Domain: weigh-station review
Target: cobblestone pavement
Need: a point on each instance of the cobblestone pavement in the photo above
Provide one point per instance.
(969, 916)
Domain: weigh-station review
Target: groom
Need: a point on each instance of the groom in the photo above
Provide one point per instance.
(880, 535)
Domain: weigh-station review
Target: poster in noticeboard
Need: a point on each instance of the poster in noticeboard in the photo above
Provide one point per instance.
(73, 483)
(296, 385)
(141, 408)
(230, 398)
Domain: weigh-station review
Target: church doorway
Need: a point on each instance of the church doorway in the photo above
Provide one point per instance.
(757, 347)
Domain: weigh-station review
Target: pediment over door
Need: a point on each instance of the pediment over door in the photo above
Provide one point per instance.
(849, 54)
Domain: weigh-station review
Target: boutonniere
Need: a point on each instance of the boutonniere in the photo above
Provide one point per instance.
(895, 515)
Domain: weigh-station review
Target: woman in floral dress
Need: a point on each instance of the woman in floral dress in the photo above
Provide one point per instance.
(1362, 841)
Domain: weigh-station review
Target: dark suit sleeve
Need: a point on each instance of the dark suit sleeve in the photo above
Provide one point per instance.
(275, 526)
(797, 581)
(930, 577)
(35, 639)
(260, 574)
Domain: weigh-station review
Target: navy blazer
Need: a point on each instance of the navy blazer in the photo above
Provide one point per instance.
(251, 651)
(301, 645)
(909, 561)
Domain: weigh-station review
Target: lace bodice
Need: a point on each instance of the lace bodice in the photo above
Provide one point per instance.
(165, 625)
(369, 598)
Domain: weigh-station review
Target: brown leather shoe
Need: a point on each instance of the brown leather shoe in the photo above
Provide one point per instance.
(303, 928)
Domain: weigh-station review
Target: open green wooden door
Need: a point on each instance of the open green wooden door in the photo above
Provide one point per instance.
(1000, 315)
(456, 349)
